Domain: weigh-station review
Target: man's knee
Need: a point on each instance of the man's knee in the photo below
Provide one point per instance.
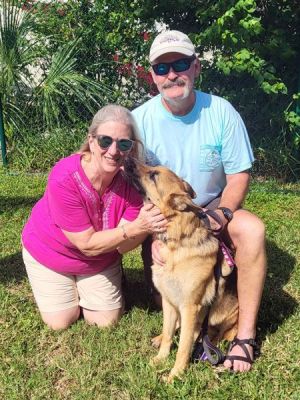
(256, 228)
(247, 226)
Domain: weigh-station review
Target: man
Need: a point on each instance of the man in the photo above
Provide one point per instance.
(203, 139)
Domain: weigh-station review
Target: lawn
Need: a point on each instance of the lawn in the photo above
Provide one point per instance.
(85, 362)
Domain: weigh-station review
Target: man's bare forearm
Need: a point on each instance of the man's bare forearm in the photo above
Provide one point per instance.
(235, 190)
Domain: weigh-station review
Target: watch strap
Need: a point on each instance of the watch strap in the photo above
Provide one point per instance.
(228, 214)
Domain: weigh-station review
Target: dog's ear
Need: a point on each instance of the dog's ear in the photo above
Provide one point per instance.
(188, 188)
(182, 202)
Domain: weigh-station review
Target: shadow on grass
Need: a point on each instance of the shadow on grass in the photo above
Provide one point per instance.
(12, 269)
(9, 203)
(277, 305)
(135, 291)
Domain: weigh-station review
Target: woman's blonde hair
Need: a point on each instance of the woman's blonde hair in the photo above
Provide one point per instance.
(114, 112)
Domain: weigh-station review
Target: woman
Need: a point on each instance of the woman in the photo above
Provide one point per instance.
(89, 216)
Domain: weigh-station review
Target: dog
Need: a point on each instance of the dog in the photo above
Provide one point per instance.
(187, 281)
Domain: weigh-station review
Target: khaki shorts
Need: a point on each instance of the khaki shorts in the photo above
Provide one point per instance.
(57, 292)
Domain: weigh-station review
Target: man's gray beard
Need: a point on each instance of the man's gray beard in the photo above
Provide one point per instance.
(177, 100)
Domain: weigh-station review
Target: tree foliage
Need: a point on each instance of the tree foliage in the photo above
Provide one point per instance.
(37, 87)
(254, 55)
(98, 49)
(112, 41)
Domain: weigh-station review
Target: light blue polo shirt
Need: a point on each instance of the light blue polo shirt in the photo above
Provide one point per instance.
(200, 147)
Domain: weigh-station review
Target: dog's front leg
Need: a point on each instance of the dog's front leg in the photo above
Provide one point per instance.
(189, 316)
(169, 325)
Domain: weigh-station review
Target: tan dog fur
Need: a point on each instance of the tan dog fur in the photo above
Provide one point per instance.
(186, 282)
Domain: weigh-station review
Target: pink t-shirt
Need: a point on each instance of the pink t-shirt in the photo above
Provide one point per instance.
(71, 203)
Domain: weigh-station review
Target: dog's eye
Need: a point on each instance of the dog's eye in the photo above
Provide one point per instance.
(152, 175)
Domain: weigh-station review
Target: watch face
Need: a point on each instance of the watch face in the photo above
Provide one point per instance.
(228, 214)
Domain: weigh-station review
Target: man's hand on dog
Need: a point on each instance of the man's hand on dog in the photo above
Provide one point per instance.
(213, 223)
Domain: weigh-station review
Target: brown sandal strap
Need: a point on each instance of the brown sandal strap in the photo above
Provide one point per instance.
(242, 342)
(239, 358)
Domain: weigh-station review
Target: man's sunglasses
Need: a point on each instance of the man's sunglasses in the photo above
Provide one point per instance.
(183, 64)
(105, 142)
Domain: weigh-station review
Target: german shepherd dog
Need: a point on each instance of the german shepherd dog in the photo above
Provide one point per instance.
(187, 281)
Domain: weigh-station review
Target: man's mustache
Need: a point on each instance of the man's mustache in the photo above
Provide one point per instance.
(178, 82)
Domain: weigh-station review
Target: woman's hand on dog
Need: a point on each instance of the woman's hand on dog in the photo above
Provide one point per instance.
(151, 220)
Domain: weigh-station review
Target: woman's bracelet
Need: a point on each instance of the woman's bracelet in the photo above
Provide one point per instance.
(125, 236)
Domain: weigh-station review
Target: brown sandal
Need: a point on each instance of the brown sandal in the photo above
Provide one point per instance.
(242, 342)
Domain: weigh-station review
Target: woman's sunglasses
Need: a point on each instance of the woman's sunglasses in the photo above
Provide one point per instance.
(105, 142)
(178, 66)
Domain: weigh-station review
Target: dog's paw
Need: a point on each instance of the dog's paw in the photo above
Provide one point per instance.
(156, 360)
(156, 341)
(168, 378)
(171, 377)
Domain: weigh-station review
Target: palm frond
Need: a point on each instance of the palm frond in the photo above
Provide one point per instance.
(13, 116)
(63, 88)
(16, 53)
(15, 47)
(46, 88)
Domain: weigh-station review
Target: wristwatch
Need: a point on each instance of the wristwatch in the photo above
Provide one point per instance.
(228, 214)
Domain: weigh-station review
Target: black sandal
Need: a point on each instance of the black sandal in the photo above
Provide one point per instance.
(242, 342)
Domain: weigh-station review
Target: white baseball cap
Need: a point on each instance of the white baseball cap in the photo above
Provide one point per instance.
(171, 42)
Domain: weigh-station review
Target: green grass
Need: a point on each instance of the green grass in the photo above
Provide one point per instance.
(85, 362)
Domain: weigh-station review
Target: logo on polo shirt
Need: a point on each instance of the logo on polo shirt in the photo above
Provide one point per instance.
(210, 157)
